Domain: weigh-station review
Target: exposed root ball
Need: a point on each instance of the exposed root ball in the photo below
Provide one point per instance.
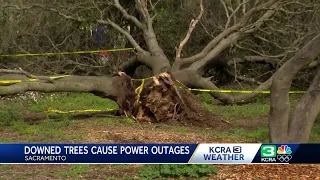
(163, 100)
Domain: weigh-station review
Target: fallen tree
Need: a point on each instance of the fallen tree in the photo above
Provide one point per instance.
(242, 21)
(160, 100)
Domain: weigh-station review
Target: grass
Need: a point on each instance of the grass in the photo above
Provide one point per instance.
(76, 170)
(249, 113)
(10, 115)
(68, 101)
(250, 122)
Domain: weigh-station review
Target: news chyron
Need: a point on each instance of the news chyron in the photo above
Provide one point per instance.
(241, 153)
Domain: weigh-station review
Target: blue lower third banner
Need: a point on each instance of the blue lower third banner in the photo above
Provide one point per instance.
(159, 153)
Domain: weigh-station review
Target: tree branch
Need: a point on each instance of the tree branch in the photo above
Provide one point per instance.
(43, 7)
(125, 33)
(127, 16)
(234, 12)
(227, 33)
(192, 25)
(243, 78)
(252, 59)
(233, 38)
(190, 77)
(141, 6)
(114, 25)
(230, 98)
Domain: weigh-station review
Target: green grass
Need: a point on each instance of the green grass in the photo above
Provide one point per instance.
(258, 107)
(45, 130)
(53, 131)
(74, 101)
(315, 133)
(233, 112)
(260, 134)
(75, 171)
(182, 130)
(11, 114)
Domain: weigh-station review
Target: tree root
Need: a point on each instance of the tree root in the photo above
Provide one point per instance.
(162, 100)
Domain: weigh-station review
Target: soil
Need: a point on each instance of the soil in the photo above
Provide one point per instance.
(163, 100)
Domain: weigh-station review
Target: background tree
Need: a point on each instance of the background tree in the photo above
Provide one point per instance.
(308, 107)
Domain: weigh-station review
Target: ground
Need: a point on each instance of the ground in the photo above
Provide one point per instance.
(249, 124)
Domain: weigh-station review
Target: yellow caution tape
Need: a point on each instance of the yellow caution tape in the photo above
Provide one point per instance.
(140, 90)
(242, 91)
(29, 80)
(65, 53)
(76, 111)
(183, 84)
(226, 91)
(142, 79)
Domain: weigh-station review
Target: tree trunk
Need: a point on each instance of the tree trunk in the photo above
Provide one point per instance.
(305, 113)
(118, 88)
(280, 103)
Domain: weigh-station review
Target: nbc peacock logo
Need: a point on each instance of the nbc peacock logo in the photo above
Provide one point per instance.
(284, 153)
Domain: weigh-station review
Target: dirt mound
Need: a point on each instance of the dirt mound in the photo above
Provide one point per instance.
(164, 100)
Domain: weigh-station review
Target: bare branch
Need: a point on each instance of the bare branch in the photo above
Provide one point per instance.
(192, 25)
(232, 39)
(122, 31)
(313, 64)
(141, 6)
(234, 12)
(243, 78)
(95, 5)
(223, 35)
(252, 59)
(127, 16)
(226, 10)
(264, 55)
(153, 5)
(43, 7)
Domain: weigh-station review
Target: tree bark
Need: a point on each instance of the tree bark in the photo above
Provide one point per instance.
(88, 84)
(305, 113)
(280, 104)
(118, 88)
